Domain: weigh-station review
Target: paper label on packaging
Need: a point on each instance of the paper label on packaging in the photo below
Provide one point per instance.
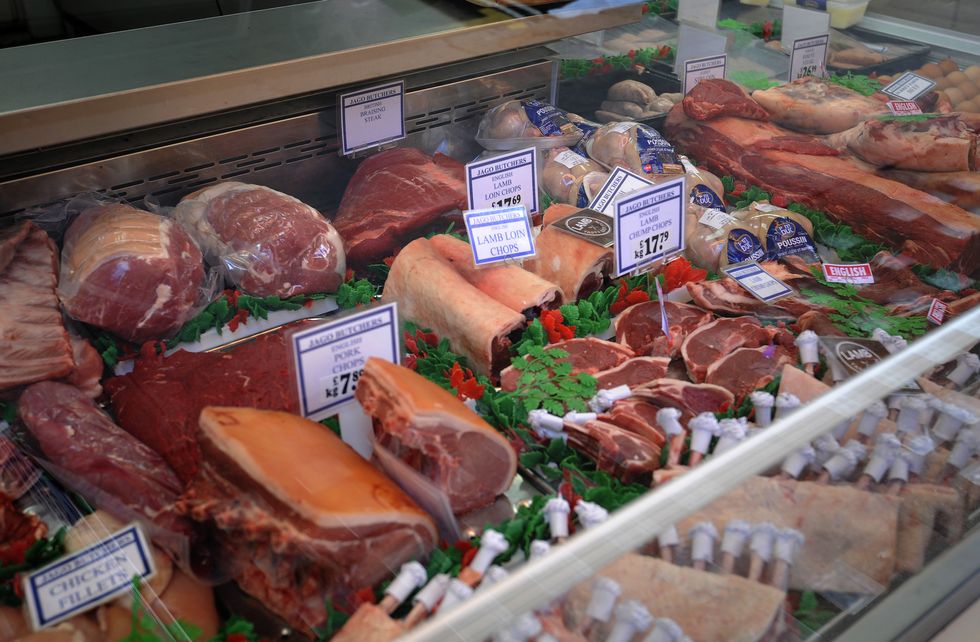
(657, 156)
(716, 218)
(909, 86)
(754, 278)
(373, 116)
(698, 69)
(499, 234)
(937, 312)
(848, 273)
(704, 196)
(549, 120)
(743, 246)
(700, 12)
(649, 225)
(329, 358)
(620, 183)
(904, 107)
(569, 159)
(786, 237)
(87, 578)
(504, 181)
(809, 57)
(588, 225)
(765, 207)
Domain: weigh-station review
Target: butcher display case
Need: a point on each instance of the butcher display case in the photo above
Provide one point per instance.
(812, 503)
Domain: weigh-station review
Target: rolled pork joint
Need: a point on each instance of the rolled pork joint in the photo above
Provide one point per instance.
(265, 242)
(432, 293)
(575, 265)
(131, 272)
(299, 515)
(433, 431)
(815, 106)
(509, 284)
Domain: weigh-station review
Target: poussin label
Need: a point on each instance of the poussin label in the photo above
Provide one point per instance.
(90, 577)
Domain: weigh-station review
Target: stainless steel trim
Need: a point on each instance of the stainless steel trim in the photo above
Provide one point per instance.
(585, 554)
(925, 34)
(296, 155)
(55, 124)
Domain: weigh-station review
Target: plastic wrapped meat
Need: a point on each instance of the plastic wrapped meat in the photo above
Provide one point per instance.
(563, 173)
(265, 242)
(299, 515)
(504, 126)
(635, 147)
(133, 273)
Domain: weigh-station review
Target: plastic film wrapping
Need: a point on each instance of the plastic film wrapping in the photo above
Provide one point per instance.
(635, 147)
(517, 124)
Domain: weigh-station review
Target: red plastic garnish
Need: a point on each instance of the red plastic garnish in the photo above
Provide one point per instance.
(411, 362)
(240, 318)
(463, 381)
(236, 637)
(553, 323)
(680, 272)
(626, 298)
(767, 30)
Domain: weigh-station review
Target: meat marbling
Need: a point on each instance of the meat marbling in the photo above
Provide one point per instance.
(713, 341)
(633, 372)
(942, 143)
(713, 97)
(586, 354)
(748, 369)
(690, 398)
(640, 327)
(625, 455)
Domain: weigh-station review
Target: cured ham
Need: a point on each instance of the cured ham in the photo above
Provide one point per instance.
(392, 196)
(641, 328)
(299, 516)
(816, 106)
(34, 345)
(131, 272)
(430, 292)
(709, 607)
(931, 231)
(623, 454)
(633, 372)
(433, 431)
(586, 354)
(748, 369)
(265, 242)
(511, 285)
(575, 265)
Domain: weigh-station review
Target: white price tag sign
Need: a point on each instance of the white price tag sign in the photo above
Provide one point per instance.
(698, 42)
(909, 86)
(649, 225)
(90, 577)
(373, 116)
(757, 281)
(698, 69)
(499, 235)
(800, 24)
(330, 357)
(809, 57)
(700, 12)
(504, 181)
(620, 183)
(716, 218)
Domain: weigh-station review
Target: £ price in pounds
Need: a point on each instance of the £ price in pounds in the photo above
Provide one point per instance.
(507, 202)
(651, 244)
(806, 70)
(343, 384)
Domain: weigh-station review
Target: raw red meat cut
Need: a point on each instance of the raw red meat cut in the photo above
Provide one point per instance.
(87, 373)
(79, 438)
(690, 398)
(265, 242)
(435, 433)
(33, 342)
(817, 106)
(133, 273)
(942, 143)
(959, 188)
(715, 97)
(817, 322)
(587, 354)
(931, 231)
(393, 195)
(633, 372)
(895, 282)
(640, 327)
(711, 342)
(748, 369)
(160, 401)
(636, 416)
(302, 520)
(623, 454)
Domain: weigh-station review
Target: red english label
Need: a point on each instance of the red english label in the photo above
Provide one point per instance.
(937, 311)
(904, 107)
(848, 273)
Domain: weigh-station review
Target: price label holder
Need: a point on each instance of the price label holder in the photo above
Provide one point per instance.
(329, 359)
(698, 42)
(504, 181)
(699, 12)
(904, 107)
(620, 183)
(937, 312)
(754, 278)
(649, 226)
(908, 86)
(588, 225)
(848, 273)
(809, 57)
(372, 117)
(87, 578)
(800, 24)
(499, 234)
(698, 69)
